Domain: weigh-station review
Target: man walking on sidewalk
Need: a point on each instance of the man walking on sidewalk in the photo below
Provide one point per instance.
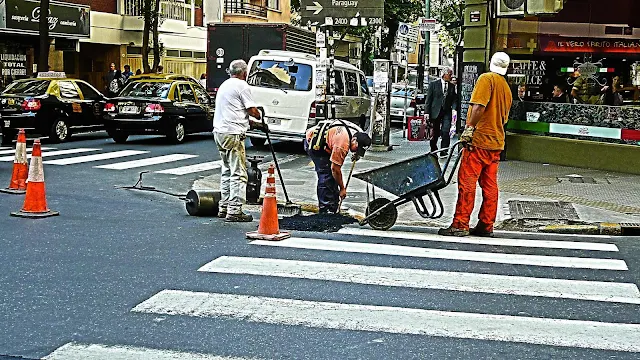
(439, 104)
(328, 144)
(234, 105)
(484, 140)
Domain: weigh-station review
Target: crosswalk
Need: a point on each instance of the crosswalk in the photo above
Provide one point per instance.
(594, 256)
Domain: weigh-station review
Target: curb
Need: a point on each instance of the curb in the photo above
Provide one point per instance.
(613, 229)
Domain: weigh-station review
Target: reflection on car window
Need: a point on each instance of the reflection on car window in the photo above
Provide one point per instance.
(186, 93)
(141, 89)
(68, 90)
(339, 83)
(87, 91)
(203, 98)
(363, 85)
(351, 80)
(28, 87)
(402, 93)
(275, 74)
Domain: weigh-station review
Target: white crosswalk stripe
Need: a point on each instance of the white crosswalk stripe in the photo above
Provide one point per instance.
(95, 157)
(13, 151)
(147, 162)
(74, 351)
(54, 153)
(428, 279)
(190, 169)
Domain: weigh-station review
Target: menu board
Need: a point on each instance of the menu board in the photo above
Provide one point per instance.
(471, 71)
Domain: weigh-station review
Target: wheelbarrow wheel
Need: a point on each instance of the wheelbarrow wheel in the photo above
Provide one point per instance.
(385, 218)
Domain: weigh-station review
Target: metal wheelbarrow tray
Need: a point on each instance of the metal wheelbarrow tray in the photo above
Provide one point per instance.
(411, 180)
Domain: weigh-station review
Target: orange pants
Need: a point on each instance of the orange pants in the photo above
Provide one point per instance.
(477, 165)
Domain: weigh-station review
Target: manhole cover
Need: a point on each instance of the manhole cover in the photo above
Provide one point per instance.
(548, 210)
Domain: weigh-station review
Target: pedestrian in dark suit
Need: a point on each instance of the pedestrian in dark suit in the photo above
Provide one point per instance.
(441, 96)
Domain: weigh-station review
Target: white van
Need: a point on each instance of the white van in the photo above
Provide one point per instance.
(284, 83)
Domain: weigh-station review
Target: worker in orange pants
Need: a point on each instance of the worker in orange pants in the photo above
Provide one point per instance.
(483, 139)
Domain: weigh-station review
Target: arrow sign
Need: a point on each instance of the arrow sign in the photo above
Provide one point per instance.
(315, 8)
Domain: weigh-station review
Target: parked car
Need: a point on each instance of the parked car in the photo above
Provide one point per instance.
(398, 101)
(53, 107)
(284, 83)
(170, 107)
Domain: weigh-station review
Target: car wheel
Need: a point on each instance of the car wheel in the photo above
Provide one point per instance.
(118, 136)
(7, 136)
(257, 142)
(177, 133)
(59, 132)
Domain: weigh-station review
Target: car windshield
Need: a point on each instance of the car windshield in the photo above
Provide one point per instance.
(280, 75)
(402, 93)
(143, 89)
(31, 87)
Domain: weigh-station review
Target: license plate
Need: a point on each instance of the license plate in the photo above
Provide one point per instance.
(273, 121)
(129, 110)
(7, 123)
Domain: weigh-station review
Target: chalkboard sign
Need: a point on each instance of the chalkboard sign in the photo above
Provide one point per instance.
(471, 71)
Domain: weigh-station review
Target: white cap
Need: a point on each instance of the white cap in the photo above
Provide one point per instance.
(499, 63)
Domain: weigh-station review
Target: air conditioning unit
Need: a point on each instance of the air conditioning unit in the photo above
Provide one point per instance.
(544, 7)
(510, 8)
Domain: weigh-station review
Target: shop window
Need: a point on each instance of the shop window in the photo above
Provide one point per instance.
(186, 93)
(200, 55)
(86, 66)
(68, 90)
(69, 61)
(187, 54)
(134, 50)
(173, 53)
(273, 4)
(351, 80)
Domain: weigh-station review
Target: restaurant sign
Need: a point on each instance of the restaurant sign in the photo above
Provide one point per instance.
(64, 19)
(588, 45)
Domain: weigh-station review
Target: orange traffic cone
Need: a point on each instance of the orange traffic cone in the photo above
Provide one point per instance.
(35, 201)
(268, 228)
(18, 183)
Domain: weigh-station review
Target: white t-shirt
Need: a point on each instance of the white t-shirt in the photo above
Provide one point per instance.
(232, 101)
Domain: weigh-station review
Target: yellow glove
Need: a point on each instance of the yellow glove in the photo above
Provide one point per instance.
(467, 135)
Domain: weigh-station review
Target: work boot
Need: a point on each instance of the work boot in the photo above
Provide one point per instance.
(242, 217)
(222, 213)
(481, 230)
(452, 231)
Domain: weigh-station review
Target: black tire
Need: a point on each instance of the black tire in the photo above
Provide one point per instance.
(118, 136)
(177, 133)
(384, 219)
(59, 132)
(7, 136)
(258, 142)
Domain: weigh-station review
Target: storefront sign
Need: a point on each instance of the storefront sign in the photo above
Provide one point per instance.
(13, 64)
(532, 70)
(591, 131)
(64, 19)
(470, 74)
(587, 45)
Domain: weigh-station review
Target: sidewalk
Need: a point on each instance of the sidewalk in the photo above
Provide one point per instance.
(598, 197)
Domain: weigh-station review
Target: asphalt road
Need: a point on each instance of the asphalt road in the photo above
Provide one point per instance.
(116, 276)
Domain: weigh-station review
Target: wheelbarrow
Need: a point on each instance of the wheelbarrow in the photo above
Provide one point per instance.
(411, 180)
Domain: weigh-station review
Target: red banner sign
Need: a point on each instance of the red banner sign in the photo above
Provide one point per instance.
(588, 45)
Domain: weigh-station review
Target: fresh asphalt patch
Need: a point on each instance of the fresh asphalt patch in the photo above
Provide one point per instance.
(316, 222)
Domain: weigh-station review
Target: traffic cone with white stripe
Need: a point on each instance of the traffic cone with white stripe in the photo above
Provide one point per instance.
(268, 228)
(18, 183)
(35, 201)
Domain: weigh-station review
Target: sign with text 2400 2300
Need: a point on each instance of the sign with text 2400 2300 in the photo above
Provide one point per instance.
(342, 12)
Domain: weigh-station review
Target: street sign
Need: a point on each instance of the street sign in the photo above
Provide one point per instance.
(428, 24)
(407, 32)
(403, 29)
(342, 12)
(321, 39)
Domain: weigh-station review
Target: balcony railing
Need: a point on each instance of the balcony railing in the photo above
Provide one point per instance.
(169, 9)
(244, 8)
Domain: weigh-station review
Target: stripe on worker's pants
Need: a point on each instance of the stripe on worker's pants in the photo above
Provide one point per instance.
(572, 245)
(397, 320)
(428, 279)
(75, 351)
(190, 169)
(96, 157)
(384, 249)
(146, 162)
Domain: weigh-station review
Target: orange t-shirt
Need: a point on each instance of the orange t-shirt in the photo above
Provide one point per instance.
(492, 92)
(337, 142)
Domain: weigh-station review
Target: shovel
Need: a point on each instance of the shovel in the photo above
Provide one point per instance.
(353, 165)
(289, 208)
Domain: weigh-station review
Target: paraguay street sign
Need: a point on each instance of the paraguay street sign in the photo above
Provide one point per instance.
(342, 12)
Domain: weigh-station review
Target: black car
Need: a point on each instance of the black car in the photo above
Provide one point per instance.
(53, 107)
(169, 107)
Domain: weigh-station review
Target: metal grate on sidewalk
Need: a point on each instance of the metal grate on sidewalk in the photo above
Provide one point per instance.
(542, 210)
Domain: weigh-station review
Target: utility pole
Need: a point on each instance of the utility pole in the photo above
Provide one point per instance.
(423, 50)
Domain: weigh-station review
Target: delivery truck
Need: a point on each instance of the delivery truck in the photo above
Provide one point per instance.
(230, 41)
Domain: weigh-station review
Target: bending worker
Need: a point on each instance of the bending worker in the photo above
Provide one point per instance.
(328, 144)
